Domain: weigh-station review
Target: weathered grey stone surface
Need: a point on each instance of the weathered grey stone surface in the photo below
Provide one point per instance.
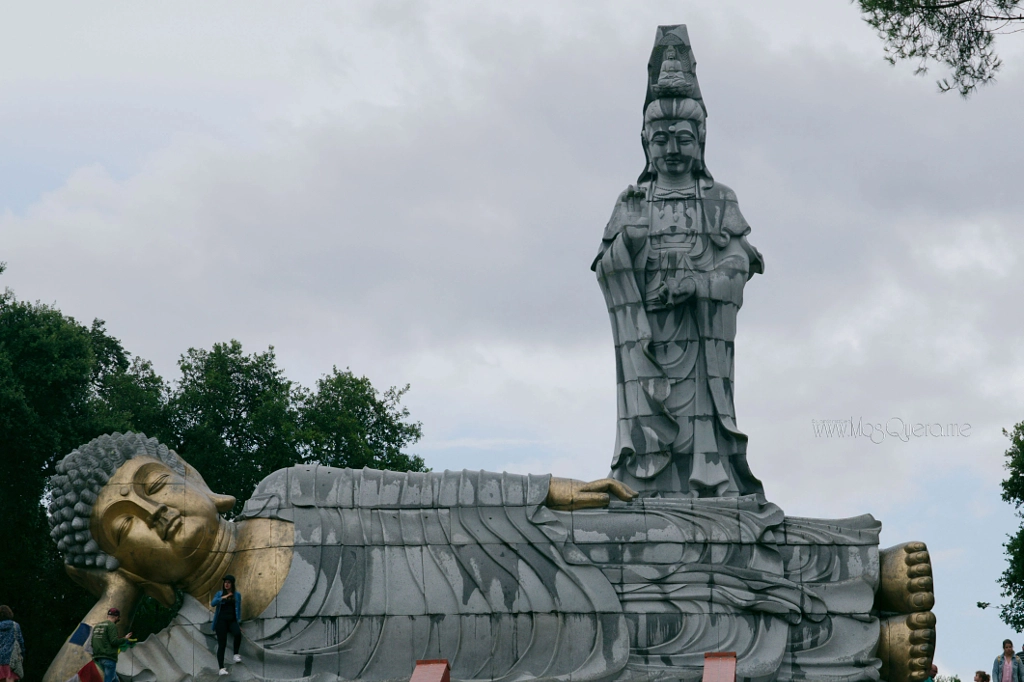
(389, 568)
(672, 265)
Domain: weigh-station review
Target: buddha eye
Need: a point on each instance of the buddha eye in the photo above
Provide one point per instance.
(122, 528)
(156, 484)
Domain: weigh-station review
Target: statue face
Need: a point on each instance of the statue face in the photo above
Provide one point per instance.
(674, 147)
(156, 523)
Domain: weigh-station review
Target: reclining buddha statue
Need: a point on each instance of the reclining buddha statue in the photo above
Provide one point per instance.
(356, 574)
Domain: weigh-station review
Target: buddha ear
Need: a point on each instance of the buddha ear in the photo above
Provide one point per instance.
(164, 594)
(223, 503)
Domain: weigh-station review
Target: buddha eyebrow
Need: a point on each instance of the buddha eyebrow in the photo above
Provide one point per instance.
(146, 472)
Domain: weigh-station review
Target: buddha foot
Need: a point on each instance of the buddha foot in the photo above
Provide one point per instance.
(907, 639)
(906, 644)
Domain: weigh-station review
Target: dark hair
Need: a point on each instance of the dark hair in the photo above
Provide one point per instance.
(1007, 641)
(229, 579)
(984, 675)
(6, 613)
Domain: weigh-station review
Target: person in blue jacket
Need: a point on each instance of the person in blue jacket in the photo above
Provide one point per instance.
(226, 617)
(1007, 668)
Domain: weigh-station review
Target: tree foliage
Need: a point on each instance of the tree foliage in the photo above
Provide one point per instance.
(958, 34)
(345, 422)
(234, 416)
(1012, 580)
(61, 384)
(237, 418)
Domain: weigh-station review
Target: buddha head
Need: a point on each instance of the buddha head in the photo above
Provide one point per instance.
(126, 502)
(673, 137)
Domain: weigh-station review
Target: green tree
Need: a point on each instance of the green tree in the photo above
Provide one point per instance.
(1012, 580)
(60, 384)
(234, 416)
(959, 34)
(346, 422)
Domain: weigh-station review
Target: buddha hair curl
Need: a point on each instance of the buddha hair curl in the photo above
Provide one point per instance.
(74, 488)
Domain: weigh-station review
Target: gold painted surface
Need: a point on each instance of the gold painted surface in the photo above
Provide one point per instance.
(166, 532)
(155, 522)
(567, 494)
(905, 597)
(906, 579)
(260, 563)
(113, 590)
(906, 645)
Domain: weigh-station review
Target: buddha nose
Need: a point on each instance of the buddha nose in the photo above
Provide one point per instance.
(156, 515)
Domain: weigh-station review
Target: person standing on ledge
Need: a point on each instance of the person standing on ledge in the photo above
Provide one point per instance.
(12, 647)
(226, 617)
(1007, 668)
(106, 645)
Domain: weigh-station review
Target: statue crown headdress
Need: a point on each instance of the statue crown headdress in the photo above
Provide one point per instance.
(672, 73)
(672, 67)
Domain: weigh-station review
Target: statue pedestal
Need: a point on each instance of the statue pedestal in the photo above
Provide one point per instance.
(793, 597)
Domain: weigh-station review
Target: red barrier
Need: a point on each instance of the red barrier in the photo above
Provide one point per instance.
(720, 666)
(435, 671)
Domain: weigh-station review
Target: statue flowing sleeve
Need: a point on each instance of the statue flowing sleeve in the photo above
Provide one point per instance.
(645, 427)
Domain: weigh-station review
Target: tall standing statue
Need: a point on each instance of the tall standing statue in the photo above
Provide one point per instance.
(672, 266)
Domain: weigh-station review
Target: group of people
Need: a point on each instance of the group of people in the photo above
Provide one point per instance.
(1007, 667)
(107, 644)
(227, 614)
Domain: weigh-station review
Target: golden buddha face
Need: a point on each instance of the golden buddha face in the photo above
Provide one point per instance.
(673, 147)
(158, 524)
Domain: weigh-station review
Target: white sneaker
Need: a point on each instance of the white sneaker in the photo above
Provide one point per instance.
(223, 671)
(237, 659)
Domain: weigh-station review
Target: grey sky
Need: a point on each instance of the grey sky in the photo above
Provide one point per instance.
(416, 191)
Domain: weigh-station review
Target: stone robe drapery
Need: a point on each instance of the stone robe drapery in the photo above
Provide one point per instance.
(392, 567)
(676, 432)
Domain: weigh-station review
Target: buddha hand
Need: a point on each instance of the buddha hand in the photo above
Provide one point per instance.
(567, 494)
(119, 585)
(629, 209)
(100, 582)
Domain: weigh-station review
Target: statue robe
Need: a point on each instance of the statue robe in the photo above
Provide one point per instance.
(677, 433)
(389, 568)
